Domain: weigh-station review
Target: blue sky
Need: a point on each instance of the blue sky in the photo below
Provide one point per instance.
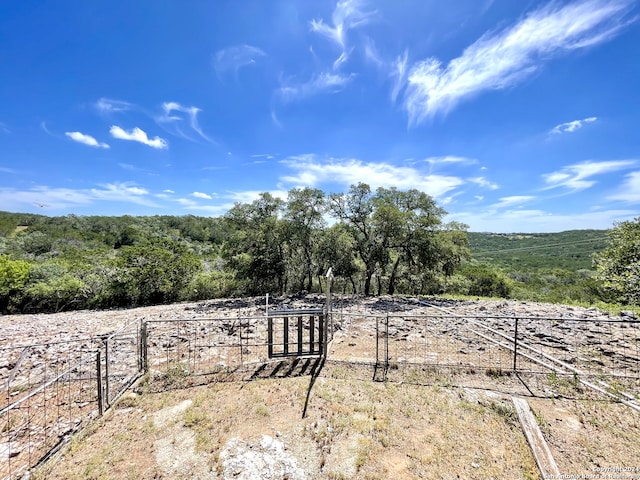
(516, 116)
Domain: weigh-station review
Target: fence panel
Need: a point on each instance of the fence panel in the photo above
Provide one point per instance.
(121, 360)
(34, 425)
(202, 346)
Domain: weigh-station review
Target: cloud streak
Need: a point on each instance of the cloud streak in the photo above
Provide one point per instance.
(503, 59)
(323, 83)
(138, 135)
(572, 126)
(579, 176)
(629, 191)
(311, 171)
(235, 57)
(170, 116)
(86, 139)
(62, 198)
(348, 14)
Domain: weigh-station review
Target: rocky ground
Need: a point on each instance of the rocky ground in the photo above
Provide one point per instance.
(583, 337)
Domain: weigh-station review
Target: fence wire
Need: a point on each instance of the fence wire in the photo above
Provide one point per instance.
(47, 416)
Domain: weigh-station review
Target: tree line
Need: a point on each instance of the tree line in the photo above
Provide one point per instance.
(386, 241)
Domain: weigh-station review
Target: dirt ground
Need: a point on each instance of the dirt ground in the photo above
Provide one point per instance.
(340, 424)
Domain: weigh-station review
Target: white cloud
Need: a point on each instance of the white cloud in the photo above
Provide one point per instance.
(347, 15)
(202, 195)
(85, 139)
(512, 201)
(168, 191)
(578, 177)
(62, 198)
(399, 69)
(310, 171)
(170, 117)
(107, 106)
(629, 191)
(371, 52)
(235, 57)
(483, 182)
(501, 60)
(572, 126)
(138, 135)
(322, 83)
(4, 128)
(449, 159)
(533, 221)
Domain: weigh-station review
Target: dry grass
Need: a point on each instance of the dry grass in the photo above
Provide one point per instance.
(352, 429)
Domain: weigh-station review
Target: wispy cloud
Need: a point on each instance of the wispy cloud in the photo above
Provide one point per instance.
(85, 139)
(531, 221)
(311, 171)
(572, 126)
(235, 57)
(4, 128)
(629, 191)
(399, 71)
(62, 198)
(320, 84)
(138, 135)
(484, 183)
(347, 15)
(512, 201)
(170, 116)
(450, 159)
(503, 59)
(202, 195)
(7, 170)
(108, 106)
(578, 177)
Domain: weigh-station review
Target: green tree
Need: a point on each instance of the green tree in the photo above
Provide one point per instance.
(618, 265)
(355, 210)
(13, 277)
(303, 222)
(150, 273)
(255, 249)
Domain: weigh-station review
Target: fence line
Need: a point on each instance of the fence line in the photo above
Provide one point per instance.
(57, 397)
(46, 403)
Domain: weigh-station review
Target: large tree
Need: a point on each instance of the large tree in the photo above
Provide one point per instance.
(618, 266)
(255, 249)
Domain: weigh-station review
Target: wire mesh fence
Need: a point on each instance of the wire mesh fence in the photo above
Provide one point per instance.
(206, 345)
(603, 352)
(122, 360)
(53, 390)
(37, 423)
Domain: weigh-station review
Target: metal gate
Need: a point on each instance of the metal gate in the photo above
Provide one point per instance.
(296, 333)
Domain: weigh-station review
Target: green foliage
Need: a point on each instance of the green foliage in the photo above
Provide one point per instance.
(618, 265)
(13, 277)
(152, 273)
(486, 282)
(387, 241)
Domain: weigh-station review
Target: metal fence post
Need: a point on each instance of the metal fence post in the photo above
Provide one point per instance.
(106, 371)
(515, 347)
(386, 345)
(99, 383)
(143, 348)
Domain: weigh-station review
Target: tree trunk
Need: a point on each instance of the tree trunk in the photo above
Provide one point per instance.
(392, 278)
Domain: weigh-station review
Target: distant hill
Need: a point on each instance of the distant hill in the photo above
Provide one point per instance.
(571, 250)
